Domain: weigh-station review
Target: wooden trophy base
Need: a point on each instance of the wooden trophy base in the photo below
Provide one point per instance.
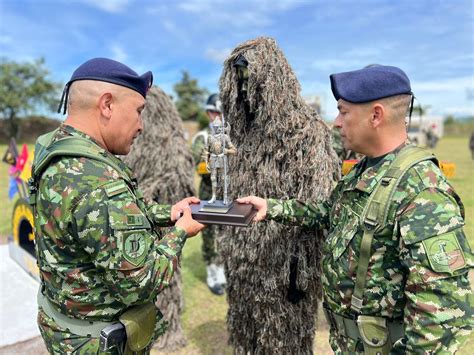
(233, 214)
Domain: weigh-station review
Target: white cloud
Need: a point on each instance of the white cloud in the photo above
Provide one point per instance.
(118, 53)
(460, 110)
(217, 55)
(4, 39)
(355, 58)
(440, 85)
(112, 6)
(246, 14)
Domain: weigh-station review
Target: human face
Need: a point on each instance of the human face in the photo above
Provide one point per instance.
(126, 123)
(243, 77)
(352, 120)
(212, 115)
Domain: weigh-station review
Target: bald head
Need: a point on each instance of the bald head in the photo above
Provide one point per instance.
(84, 95)
(397, 108)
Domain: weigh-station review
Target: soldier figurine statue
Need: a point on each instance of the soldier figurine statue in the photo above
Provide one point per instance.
(218, 147)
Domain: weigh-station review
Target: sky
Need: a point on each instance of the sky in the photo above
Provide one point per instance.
(432, 41)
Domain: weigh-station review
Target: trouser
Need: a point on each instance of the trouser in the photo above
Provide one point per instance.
(209, 249)
(61, 341)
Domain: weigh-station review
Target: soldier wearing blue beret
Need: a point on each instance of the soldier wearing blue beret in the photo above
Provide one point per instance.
(101, 261)
(396, 258)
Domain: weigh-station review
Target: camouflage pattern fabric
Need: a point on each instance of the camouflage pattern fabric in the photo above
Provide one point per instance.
(418, 270)
(97, 246)
(209, 248)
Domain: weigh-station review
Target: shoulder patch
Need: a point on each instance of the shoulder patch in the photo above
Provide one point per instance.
(135, 247)
(115, 188)
(444, 253)
(135, 220)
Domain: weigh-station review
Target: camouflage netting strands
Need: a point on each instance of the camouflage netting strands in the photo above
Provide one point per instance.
(284, 151)
(163, 165)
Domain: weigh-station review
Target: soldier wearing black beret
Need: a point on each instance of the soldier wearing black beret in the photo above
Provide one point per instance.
(101, 261)
(396, 257)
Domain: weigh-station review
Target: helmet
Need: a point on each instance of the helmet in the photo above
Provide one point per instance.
(214, 103)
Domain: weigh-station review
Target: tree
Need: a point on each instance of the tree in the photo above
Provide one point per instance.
(24, 87)
(449, 120)
(421, 109)
(191, 98)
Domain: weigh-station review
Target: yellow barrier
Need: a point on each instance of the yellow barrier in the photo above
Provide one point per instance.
(347, 166)
(448, 169)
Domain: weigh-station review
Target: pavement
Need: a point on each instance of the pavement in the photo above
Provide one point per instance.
(18, 308)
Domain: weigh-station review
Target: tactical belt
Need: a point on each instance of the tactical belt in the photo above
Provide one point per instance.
(348, 327)
(83, 328)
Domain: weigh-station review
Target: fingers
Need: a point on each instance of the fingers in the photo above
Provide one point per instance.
(259, 217)
(178, 208)
(193, 199)
(187, 212)
(191, 226)
(246, 200)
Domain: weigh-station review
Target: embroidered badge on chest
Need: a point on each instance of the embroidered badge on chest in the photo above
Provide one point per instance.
(444, 253)
(135, 247)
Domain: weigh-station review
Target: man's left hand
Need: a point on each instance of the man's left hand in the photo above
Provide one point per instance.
(178, 208)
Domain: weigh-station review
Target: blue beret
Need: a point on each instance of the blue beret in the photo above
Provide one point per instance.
(369, 84)
(111, 71)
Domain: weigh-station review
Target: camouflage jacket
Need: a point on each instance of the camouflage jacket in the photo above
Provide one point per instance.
(403, 282)
(97, 247)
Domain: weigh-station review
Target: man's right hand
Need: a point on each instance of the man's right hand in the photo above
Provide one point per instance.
(259, 204)
(190, 226)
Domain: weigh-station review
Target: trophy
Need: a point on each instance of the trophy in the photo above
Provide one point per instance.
(216, 211)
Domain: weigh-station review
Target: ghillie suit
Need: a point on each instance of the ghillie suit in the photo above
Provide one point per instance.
(163, 165)
(273, 271)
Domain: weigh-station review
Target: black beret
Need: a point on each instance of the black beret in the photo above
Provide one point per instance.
(114, 72)
(111, 71)
(370, 83)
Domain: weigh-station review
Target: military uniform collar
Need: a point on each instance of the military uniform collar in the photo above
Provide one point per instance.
(69, 130)
(366, 180)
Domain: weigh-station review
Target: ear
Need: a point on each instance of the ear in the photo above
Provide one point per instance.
(105, 105)
(378, 115)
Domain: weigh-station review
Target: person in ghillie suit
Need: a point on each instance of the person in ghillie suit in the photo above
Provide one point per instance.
(215, 279)
(163, 166)
(396, 257)
(101, 261)
(273, 271)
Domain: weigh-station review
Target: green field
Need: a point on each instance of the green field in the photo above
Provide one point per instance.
(204, 315)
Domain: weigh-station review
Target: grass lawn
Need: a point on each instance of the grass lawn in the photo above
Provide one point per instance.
(204, 315)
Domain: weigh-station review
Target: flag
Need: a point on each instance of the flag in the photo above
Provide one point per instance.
(11, 153)
(13, 188)
(22, 159)
(26, 173)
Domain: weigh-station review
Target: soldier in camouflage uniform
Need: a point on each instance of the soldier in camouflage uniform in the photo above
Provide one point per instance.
(97, 244)
(401, 285)
(215, 271)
